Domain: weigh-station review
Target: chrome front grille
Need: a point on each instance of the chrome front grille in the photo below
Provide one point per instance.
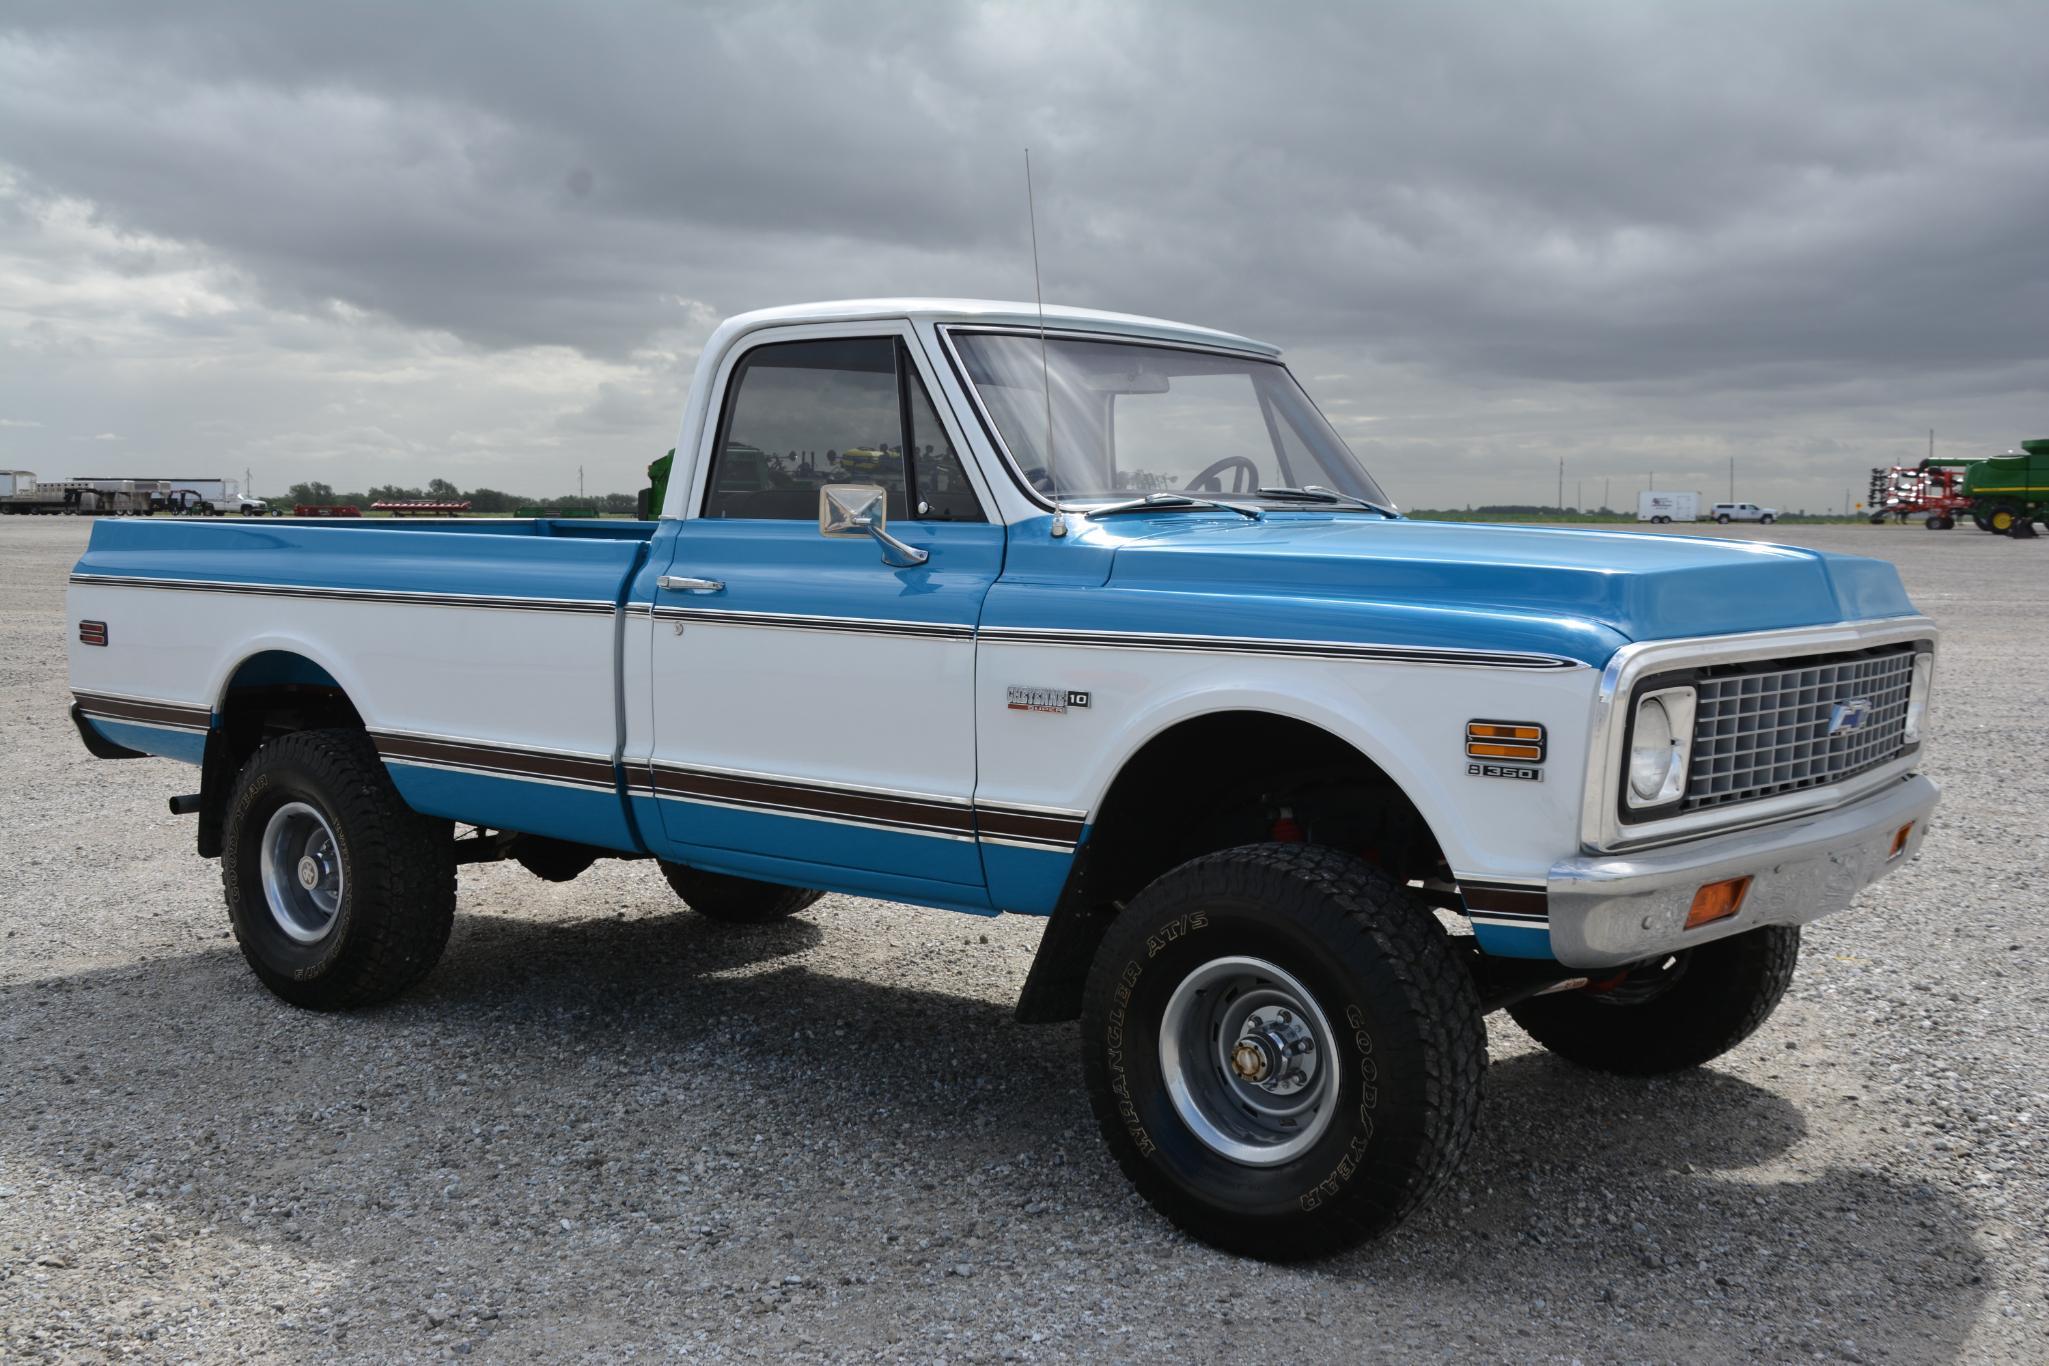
(1783, 725)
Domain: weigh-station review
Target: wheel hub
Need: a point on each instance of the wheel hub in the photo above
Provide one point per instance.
(309, 872)
(1277, 1053)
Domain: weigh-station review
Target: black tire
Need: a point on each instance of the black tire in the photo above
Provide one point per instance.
(1723, 519)
(1767, 519)
(1935, 522)
(396, 893)
(1688, 1009)
(1376, 967)
(736, 900)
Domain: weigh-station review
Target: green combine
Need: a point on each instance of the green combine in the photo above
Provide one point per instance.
(2007, 493)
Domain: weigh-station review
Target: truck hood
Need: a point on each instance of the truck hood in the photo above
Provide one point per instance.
(1639, 586)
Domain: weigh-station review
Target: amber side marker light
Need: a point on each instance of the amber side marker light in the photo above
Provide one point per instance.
(1717, 901)
(1505, 740)
(1899, 842)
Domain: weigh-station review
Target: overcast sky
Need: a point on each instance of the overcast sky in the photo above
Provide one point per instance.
(379, 243)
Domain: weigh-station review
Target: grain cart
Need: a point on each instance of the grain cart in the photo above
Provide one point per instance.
(2007, 493)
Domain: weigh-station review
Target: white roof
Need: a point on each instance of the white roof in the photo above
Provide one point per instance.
(996, 312)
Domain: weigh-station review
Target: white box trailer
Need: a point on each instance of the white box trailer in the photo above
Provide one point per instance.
(1656, 506)
(16, 481)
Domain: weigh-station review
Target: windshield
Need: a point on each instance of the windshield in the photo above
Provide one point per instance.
(1131, 419)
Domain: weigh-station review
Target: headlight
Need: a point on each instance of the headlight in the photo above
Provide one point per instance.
(1660, 739)
(1917, 697)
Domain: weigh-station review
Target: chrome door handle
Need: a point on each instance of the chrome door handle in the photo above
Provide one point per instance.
(681, 583)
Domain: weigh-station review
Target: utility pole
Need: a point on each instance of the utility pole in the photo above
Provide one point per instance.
(248, 483)
(579, 481)
(1654, 481)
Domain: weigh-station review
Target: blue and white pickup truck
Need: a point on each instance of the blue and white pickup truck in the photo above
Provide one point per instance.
(1100, 622)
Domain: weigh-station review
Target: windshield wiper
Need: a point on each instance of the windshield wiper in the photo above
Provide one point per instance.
(1317, 493)
(1168, 502)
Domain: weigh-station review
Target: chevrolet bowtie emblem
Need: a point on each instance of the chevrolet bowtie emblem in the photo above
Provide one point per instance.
(1846, 716)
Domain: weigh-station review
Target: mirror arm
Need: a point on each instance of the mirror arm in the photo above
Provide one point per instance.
(894, 552)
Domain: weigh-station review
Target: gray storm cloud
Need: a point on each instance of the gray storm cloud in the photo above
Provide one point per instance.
(363, 243)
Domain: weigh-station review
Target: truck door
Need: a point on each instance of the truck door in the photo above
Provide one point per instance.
(813, 704)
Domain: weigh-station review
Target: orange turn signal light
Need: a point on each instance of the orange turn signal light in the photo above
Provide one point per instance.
(1522, 740)
(1717, 901)
(1899, 842)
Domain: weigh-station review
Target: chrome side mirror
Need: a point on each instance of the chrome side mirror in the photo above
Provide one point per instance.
(863, 510)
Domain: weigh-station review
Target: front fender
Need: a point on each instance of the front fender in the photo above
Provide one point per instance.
(1409, 719)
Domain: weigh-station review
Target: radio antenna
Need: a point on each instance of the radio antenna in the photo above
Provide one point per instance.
(1045, 370)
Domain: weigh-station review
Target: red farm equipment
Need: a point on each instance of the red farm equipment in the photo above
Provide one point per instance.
(1934, 493)
(326, 510)
(421, 509)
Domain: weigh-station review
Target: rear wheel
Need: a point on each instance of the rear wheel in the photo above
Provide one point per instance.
(1723, 518)
(1282, 1049)
(736, 900)
(340, 894)
(1677, 1012)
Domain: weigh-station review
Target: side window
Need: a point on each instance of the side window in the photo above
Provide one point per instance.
(938, 481)
(801, 414)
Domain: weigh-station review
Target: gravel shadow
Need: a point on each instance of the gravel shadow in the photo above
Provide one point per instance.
(606, 1127)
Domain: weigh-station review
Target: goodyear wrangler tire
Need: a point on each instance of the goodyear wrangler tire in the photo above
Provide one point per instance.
(340, 894)
(736, 900)
(1676, 1013)
(1282, 1049)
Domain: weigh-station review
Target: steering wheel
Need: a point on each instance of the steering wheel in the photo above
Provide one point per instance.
(1244, 477)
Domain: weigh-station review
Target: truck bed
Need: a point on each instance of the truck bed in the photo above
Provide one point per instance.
(503, 632)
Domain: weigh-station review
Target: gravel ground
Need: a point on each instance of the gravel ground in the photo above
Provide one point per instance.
(605, 1129)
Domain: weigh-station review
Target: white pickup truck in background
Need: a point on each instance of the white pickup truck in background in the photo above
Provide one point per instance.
(1743, 512)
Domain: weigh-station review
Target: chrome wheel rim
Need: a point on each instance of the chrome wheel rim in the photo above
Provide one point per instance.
(1249, 1061)
(302, 872)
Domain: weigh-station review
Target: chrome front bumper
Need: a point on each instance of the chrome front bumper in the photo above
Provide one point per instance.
(1610, 909)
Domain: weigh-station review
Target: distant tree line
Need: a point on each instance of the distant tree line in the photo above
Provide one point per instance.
(442, 491)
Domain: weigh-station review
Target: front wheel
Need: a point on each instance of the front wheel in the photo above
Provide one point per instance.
(1282, 1049)
(1677, 1012)
(1767, 519)
(340, 894)
(1723, 519)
